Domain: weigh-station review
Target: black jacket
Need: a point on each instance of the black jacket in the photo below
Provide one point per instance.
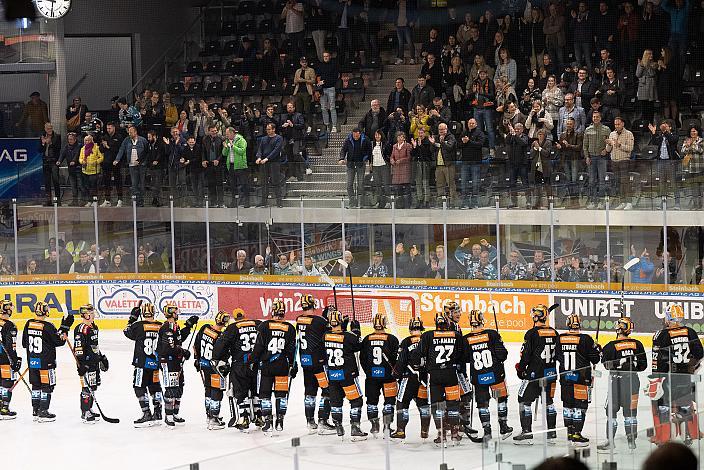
(194, 157)
(589, 89)
(471, 152)
(69, 154)
(52, 150)
(356, 152)
(423, 152)
(328, 72)
(671, 138)
(215, 144)
(113, 141)
(517, 147)
(366, 124)
(155, 153)
(449, 149)
(403, 100)
(424, 96)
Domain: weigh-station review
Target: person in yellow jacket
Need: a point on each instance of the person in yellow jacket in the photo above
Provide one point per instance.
(90, 159)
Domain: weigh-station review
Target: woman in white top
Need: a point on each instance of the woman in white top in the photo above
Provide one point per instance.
(381, 169)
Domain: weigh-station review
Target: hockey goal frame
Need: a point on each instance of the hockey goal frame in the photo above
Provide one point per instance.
(394, 306)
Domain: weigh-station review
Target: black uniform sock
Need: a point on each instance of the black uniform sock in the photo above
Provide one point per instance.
(438, 415)
(324, 408)
(526, 416)
(453, 412)
(266, 407)
(568, 419)
(372, 411)
(551, 416)
(356, 412)
(309, 407)
(402, 418)
(243, 408)
(177, 405)
(424, 418)
(578, 415)
(36, 400)
(45, 401)
(485, 418)
(144, 403)
(281, 406)
(502, 408)
(336, 412)
(86, 400)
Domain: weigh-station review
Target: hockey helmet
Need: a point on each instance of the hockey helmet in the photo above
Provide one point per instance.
(7, 307)
(41, 309)
(171, 310)
(148, 310)
(222, 318)
(278, 308)
(624, 326)
(539, 313)
(441, 321)
(574, 322)
(307, 302)
(85, 311)
(476, 318)
(334, 318)
(675, 313)
(452, 311)
(380, 321)
(238, 314)
(416, 324)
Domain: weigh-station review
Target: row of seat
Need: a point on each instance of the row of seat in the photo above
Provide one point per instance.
(235, 87)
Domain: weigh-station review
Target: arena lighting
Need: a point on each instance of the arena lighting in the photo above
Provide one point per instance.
(23, 23)
(19, 10)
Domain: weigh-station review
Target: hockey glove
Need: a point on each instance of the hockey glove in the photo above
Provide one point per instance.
(66, 323)
(104, 364)
(294, 371)
(345, 322)
(355, 327)
(196, 364)
(17, 364)
(191, 322)
(223, 368)
(520, 372)
(134, 315)
(82, 369)
(185, 354)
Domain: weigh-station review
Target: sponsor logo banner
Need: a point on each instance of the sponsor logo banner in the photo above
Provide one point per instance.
(118, 299)
(61, 298)
(20, 168)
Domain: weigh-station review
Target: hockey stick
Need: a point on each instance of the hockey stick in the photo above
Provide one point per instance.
(21, 376)
(21, 379)
(325, 278)
(92, 394)
(346, 265)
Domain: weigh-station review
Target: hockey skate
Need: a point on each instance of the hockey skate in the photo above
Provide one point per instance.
(356, 434)
(268, 428)
(156, 416)
(441, 440)
(325, 428)
(577, 440)
(340, 430)
(605, 447)
(505, 430)
(88, 418)
(215, 423)
(279, 425)
(45, 417)
(399, 435)
(96, 414)
(178, 421)
(375, 427)
(455, 436)
(169, 420)
(525, 438)
(145, 421)
(259, 421)
(312, 426)
(243, 423)
(7, 414)
(387, 420)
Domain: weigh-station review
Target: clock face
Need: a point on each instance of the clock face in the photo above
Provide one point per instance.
(53, 9)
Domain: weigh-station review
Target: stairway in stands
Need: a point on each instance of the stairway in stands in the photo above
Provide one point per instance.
(328, 180)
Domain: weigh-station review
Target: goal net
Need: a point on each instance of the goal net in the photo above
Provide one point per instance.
(398, 309)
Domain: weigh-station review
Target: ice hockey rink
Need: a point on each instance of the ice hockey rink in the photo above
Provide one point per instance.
(28, 445)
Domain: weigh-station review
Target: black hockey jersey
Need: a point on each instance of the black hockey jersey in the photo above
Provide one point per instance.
(576, 353)
(237, 341)
(170, 345)
(378, 355)
(340, 349)
(85, 344)
(8, 342)
(676, 350)
(538, 353)
(41, 338)
(405, 356)
(624, 354)
(204, 344)
(440, 350)
(311, 329)
(276, 343)
(145, 335)
(486, 354)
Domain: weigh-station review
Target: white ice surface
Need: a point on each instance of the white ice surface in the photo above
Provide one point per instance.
(68, 443)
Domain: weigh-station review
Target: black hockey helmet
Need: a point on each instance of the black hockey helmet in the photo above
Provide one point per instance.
(278, 309)
(307, 302)
(41, 309)
(148, 310)
(7, 308)
(416, 324)
(222, 318)
(624, 326)
(476, 318)
(441, 321)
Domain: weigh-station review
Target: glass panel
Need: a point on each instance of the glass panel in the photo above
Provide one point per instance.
(153, 240)
(116, 236)
(35, 231)
(190, 245)
(645, 243)
(471, 250)
(323, 237)
(413, 243)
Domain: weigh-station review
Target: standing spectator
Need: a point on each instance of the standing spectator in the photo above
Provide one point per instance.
(538, 119)
(110, 143)
(534, 38)
(646, 72)
(308, 268)
(212, 156)
(540, 155)
(397, 122)
(555, 35)
(294, 17)
(259, 267)
(416, 267)
(155, 161)
(116, 265)
(344, 22)
(432, 70)
(170, 112)
(484, 95)
(583, 27)
(51, 149)
(438, 113)
(605, 25)
(241, 265)
(355, 152)
(75, 114)
(399, 97)
(569, 144)
(374, 120)
(291, 127)
(356, 268)
(478, 65)
(531, 93)
(192, 167)
(506, 67)
(174, 149)
(318, 23)
(304, 80)
(463, 30)
(422, 166)
(380, 166)
(154, 113)
(129, 115)
(377, 268)
(401, 170)
(445, 155)
(268, 158)
(134, 149)
(517, 143)
(471, 143)
(611, 91)
(583, 89)
(628, 26)
(596, 157)
(70, 155)
(183, 125)
(421, 93)
(234, 151)
(679, 20)
(269, 62)
(401, 260)
(620, 146)
(605, 62)
(404, 21)
(200, 118)
(553, 100)
(90, 159)
(693, 162)
(419, 120)
(668, 161)
(34, 115)
(571, 110)
(456, 83)
(329, 73)
(643, 271)
(668, 85)
(432, 46)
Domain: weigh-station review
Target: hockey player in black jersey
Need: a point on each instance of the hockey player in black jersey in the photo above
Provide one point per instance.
(378, 358)
(442, 352)
(311, 328)
(275, 352)
(213, 382)
(412, 383)
(90, 361)
(10, 362)
(237, 342)
(145, 382)
(343, 375)
(577, 353)
(453, 313)
(537, 362)
(624, 357)
(40, 339)
(172, 355)
(486, 353)
(677, 353)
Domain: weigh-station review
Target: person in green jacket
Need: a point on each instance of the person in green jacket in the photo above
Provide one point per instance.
(234, 151)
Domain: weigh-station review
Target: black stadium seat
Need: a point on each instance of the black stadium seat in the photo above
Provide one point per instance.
(194, 67)
(176, 89)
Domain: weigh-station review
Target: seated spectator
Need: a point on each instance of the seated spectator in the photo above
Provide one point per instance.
(259, 269)
(283, 267)
(419, 120)
(439, 113)
(31, 268)
(484, 270)
(399, 97)
(644, 270)
(514, 270)
(356, 268)
(433, 72)
(539, 269)
(84, 265)
(377, 268)
(422, 94)
(142, 265)
(401, 171)
(401, 259)
(240, 265)
(381, 168)
(308, 268)
(116, 265)
(374, 120)
(48, 266)
(103, 259)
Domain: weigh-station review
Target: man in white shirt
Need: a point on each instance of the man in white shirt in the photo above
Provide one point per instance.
(294, 16)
